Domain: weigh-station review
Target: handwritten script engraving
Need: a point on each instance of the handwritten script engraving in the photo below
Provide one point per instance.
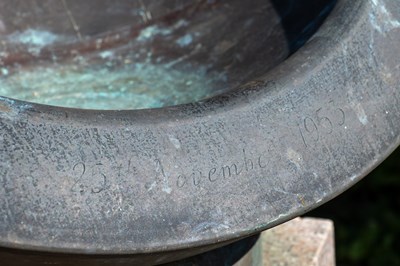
(94, 181)
(323, 122)
(242, 166)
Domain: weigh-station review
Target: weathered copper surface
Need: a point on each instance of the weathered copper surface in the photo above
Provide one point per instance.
(151, 186)
(134, 54)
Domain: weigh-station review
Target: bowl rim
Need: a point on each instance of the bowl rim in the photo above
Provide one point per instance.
(295, 90)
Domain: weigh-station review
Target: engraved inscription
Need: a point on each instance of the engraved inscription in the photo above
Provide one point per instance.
(222, 172)
(165, 179)
(323, 122)
(94, 181)
(80, 169)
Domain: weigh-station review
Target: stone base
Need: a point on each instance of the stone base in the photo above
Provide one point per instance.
(300, 242)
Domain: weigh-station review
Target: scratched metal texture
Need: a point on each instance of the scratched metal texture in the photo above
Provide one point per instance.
(203, 174)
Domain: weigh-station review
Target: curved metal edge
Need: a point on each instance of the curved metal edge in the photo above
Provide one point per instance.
(310, 129)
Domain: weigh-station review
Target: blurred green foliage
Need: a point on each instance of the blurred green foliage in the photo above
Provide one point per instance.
(367, 218)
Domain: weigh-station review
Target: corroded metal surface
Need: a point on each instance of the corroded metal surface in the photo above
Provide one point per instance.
(133, 54)
(195, 176)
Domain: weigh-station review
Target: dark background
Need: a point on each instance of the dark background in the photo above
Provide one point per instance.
(367, 218)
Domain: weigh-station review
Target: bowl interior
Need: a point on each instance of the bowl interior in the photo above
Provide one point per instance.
(127, 54)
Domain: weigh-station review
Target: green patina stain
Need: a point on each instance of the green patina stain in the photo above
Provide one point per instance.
(133, 86)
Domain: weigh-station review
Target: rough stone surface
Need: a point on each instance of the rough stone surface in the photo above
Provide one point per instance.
(302, 241)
